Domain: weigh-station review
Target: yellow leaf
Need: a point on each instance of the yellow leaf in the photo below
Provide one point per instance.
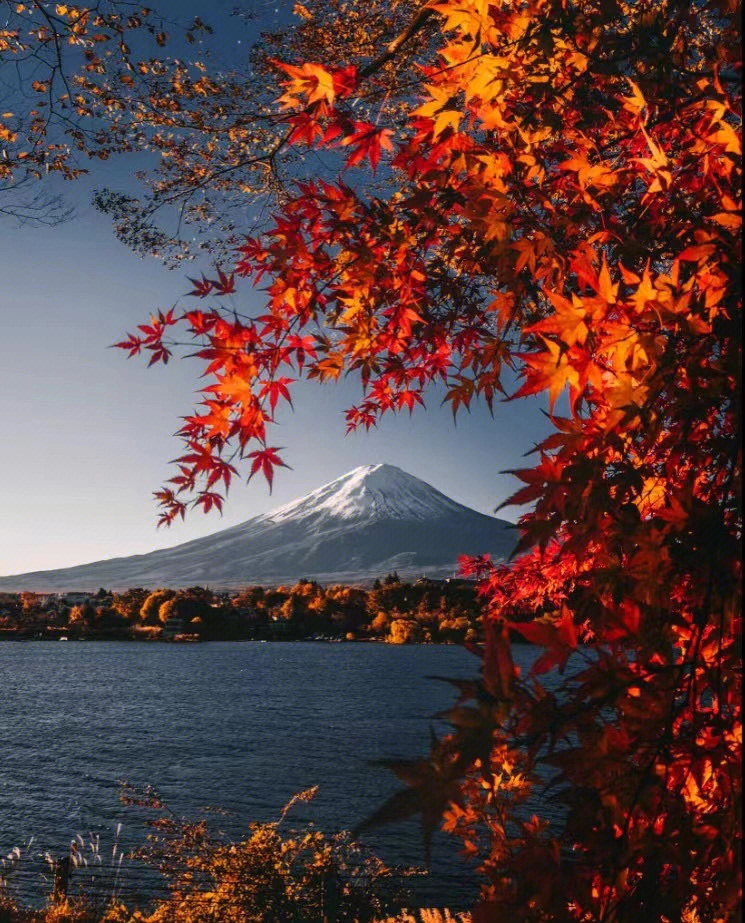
(644, 293)
(552, 372)
(439, 99)
(606, 288)
(636, 102)
(447, 118)
(460, 19)
(726, 136)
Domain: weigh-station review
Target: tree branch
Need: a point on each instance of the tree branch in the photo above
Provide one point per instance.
(416, 25)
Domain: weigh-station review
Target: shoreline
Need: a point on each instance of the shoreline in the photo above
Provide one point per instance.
(13, 638)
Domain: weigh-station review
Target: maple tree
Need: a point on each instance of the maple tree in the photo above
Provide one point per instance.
(558, 199)
(223, 157)
(45, 50)
(98, 80)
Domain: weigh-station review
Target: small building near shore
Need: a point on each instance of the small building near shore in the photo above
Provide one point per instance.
(174, 625)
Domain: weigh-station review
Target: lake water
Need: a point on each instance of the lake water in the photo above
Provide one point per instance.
(238, 726)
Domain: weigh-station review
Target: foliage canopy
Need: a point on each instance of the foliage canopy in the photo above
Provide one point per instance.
(549, 190)
(560, 199)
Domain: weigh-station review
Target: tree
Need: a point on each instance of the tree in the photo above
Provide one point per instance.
(109, 617)
(405, 631)
(93, 81)
(220, 141)
(170, 608)
(560, 207)
(380, 624)
(30, 603)
(82, 615)
(129, 603)
(45, 51)
(194, 602)
(149, 613)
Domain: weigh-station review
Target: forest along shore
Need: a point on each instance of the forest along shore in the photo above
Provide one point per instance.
(391, 610)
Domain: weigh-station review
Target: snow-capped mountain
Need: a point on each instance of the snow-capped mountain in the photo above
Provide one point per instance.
(371, 492)
(373, 520)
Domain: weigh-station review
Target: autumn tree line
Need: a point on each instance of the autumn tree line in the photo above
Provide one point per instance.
(400, 612)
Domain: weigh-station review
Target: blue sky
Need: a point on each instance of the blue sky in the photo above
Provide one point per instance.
(86, 435)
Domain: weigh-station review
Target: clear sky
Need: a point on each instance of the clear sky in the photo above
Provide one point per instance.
(86, 435)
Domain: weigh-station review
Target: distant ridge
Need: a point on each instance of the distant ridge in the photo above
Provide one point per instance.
(372, 520)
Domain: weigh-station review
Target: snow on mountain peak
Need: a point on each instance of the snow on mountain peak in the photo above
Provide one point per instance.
(370, 492)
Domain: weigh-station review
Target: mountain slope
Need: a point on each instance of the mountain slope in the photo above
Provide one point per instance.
(368, 522)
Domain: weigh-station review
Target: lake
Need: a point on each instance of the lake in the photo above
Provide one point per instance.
(237, 726)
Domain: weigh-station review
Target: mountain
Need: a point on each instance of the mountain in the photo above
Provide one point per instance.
(371, 521)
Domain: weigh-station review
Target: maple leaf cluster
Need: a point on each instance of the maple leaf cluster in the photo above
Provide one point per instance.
(94, 81)
(77, 80)
(563, 201)
(38, 43)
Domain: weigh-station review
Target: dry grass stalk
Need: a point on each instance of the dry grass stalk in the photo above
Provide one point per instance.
(429, 916)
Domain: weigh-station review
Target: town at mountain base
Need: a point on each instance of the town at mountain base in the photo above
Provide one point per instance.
(371, 521)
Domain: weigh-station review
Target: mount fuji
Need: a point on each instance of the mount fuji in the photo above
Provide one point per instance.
(365, 524)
